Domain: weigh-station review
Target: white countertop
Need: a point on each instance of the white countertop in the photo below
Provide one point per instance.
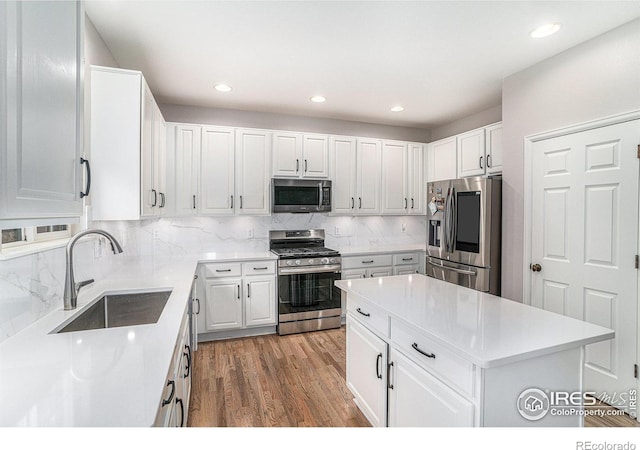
(105, 377)
(385, 248)
(486, 330)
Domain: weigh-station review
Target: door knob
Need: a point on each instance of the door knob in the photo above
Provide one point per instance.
(536, 267)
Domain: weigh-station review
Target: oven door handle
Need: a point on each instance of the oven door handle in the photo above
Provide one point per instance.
(317, 269)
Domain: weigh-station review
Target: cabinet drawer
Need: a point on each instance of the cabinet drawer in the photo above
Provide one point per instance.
(374, 318)
(259, 268)
(445, 364)
(405, 258)
(222, 270)
(362, 262)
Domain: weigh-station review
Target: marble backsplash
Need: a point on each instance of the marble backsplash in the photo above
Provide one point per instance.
(31, 286)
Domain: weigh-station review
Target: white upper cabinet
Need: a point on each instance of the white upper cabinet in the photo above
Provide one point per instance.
(127, 141)
(185, 152)
(441, 163)
(471, 157)
(394, 178)
(217, 171)
(368, 164)
(493, 148)
(253, 166)
(416, 181)
(297, 155)
(42, 102)
(343, 173)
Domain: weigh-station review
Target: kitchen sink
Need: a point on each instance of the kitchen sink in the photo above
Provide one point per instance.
(120, 310)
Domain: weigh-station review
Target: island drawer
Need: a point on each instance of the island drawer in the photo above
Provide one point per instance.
(432, 356)
(259, 268)
(222, 270)
(371, 316)
(362, 262)
(400, 259)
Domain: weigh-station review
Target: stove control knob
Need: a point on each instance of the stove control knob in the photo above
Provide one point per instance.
(310, 262)
(332, 260)
(289, 263)
(298, 262)
(325, 261)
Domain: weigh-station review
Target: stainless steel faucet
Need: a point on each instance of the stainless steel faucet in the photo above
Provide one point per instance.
(71, 288)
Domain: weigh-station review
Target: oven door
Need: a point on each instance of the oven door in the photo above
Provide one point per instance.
(307, 293)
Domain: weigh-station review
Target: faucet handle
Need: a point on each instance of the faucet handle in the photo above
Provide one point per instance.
(83, 283)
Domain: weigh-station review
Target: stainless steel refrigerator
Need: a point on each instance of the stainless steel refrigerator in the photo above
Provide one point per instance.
(464, 232)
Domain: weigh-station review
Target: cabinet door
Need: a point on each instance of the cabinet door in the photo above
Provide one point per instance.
(368, 176)
(471, 158)
(493, 137)
(442, 157)
(160, 159)
(41, 102)
(217, 171)
(287, 155)
(406, 270)
(376, 272)
(149, 193)
(260, 301)
(315, 156)
(343, 174)
(416, 181)
(417, 399)
(395, 199)
(187, 151)
(253, 164)
(352, 274)
(224, 304)
(366, 371)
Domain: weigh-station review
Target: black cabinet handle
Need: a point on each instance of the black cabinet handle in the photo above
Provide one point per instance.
(428, 355)
(353, 203)
(155, 197)
(238, 286)
(378, 361)
(407, 259)
(88, 186)
(305, 165)
(489, 160)
(389, 366)
(481, 162)
(406, 204)
(248, 290)
(223, 270)
(359, 202)
(197, 300)
(412, 203)
(173, 391)
(368, 262)
(194, 201)
(260, 268)
(297, 165)
(188, 355)
(363, 313)
(241, 202)
(232, 202)
(179, 400)
(163, 198)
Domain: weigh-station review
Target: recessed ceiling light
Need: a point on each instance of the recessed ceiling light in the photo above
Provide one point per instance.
(318, 99)
(545, 30)
(223, 87)
(397, 108)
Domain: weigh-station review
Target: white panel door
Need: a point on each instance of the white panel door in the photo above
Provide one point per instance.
(315, 156)
(343, 174)
(253, 166)
(442, 157)
(471, 158)
(217, 171)
(585, 238)
(223, 304)
(287, 154)
(368, 176)
(160, 158)
(260, 301)
(187, 154)
(41, 102)
(493, 148)
(149, 193)
(366, 371)
(418, 399)
(395, 198)
(416, 182)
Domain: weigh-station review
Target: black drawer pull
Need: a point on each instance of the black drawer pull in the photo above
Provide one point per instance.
(407, 259)
(428, 355)
(173, 392)
(260, 268)
(363, 313)
(223, 270)
(367, 262)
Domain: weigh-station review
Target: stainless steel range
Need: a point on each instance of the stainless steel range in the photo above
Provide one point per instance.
(307, 297)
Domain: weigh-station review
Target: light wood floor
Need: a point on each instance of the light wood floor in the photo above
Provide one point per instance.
(609, 421)
(286, 381)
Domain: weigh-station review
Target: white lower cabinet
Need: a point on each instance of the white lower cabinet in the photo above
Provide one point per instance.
(260, 301)
(417, 399)
(223, 302)
(366, 371)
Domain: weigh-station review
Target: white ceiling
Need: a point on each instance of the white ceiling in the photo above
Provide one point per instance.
(440, 60)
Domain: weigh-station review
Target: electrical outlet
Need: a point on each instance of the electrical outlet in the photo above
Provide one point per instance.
(337, 231)
(403, 228)
(250, 233)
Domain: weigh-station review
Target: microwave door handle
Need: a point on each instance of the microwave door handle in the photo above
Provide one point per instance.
(445, 222)
(320, 196)
(454, 214)
(450, 220)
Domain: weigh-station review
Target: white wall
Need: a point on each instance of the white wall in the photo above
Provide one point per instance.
(477, 120)
(254, 119)
(598, 78)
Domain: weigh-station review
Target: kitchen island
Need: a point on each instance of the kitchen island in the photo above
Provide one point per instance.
(423, 352)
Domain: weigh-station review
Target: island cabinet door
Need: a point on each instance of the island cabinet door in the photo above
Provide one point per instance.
(366, 371)
(417, 399)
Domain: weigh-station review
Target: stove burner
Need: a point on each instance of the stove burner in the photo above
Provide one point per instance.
(305, 252)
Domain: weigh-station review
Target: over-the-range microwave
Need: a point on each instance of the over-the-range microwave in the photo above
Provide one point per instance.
(300, 196)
